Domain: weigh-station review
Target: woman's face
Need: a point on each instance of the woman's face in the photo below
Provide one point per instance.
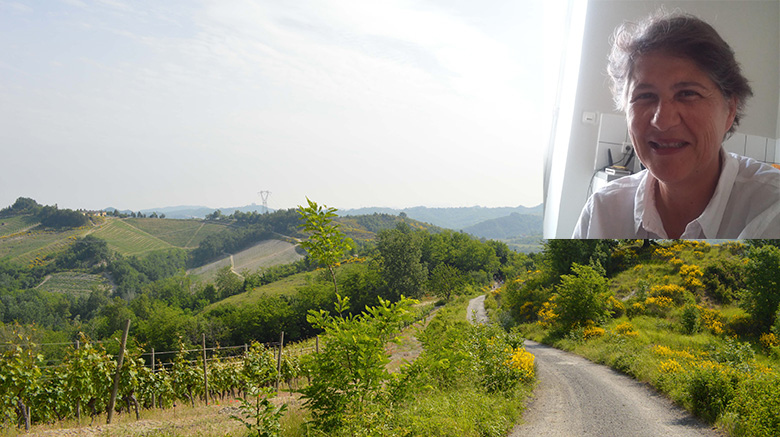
(677, 118)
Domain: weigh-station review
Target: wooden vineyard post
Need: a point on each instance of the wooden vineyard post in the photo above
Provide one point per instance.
(205, 372)
(279, 362)
(154, 394)
(112, 402)
(78, 401)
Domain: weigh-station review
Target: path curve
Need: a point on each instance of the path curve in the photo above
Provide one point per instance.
(476, 311)
(576, 397)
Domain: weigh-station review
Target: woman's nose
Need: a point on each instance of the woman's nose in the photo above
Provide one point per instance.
(666, 116)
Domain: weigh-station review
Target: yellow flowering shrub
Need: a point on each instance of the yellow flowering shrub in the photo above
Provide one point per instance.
(522, 361)
(665, 351)
(670, 366)
(636, 309)
(691, 276)
(677, 263)
(665, 253)
(658, 305)
(769, 340)
(626, 329)
(547, 314)
(592, 332)
(711, 320)
(673, 292)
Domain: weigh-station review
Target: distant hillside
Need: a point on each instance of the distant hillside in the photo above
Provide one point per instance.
(510, 226)
(451, 218)
(196, 212)
(365, 227)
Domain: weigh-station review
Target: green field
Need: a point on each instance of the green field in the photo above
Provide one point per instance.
(13, 225)
(186, 234)
(73, 283)
(264, 254)
(36, 245)
(127, 239)
(288, 285)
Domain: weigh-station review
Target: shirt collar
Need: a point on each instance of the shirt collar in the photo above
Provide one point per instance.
(712, 216)
(648, 221)
(646, 217)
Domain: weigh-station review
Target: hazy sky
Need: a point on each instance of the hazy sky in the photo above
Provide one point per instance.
(144, 104)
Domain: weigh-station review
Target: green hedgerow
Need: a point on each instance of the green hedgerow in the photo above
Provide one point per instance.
(756, 404)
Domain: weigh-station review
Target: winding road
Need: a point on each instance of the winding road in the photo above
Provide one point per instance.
(575, 397)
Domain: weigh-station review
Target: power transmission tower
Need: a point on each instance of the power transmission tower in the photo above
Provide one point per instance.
(264, 195)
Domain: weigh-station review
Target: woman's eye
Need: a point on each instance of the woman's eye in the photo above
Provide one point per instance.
(642, 97)
(688, 94)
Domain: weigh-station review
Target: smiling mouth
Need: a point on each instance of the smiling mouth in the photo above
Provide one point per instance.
(662, 146)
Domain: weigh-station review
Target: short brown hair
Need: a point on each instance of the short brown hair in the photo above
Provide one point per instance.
(682, 35)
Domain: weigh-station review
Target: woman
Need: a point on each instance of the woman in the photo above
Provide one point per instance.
(683, 93)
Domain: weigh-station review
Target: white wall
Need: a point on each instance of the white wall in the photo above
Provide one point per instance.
(751, 27)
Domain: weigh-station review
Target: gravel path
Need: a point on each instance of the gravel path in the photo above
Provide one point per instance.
(476, 310)
(575, 397)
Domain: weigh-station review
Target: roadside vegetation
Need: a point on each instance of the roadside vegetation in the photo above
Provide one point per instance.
(697, 321)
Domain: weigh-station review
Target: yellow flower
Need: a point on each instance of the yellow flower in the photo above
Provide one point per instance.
(626, 329)
(592, 332)
(769, 340)
(522, 361)
(670, 366)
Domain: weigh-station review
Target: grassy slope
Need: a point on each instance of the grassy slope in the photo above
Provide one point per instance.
(288, 285)
(25, 248)
(12, 225)
(127, 239)
(263, 254)
(21, 241)
(73, 283)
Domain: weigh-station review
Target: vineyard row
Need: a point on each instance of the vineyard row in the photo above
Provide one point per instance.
(33, 392)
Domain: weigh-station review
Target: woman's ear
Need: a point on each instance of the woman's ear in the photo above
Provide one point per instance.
(731, 102)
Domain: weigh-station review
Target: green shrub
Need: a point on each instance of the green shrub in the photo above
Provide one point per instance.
(756, 404)
(350, 371)
(582, 298)
(710, 389)
(690, 319)
(762, 280)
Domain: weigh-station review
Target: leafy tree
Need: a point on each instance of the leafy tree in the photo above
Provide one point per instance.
(762, 279)
(326, 243)
(23, 205)
(228, 283)
(561, 255)
(581, 298)
(445, 281)
(351, 370)
(361, 282)
(52, 217)
(401, 251)
(84, 253)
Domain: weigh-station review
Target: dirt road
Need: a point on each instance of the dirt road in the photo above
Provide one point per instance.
(575, 397)
(476, 310)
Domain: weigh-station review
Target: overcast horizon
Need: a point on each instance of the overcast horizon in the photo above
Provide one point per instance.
(142, 105)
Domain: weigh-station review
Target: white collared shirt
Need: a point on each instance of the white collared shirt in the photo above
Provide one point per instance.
(745, 204)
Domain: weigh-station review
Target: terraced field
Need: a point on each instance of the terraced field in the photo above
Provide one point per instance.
(264, 254)
(13, 225)
(28, 247)
(73, 283)
(127, 239)
(186, 234)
